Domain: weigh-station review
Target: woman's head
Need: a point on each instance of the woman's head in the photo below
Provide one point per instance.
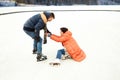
(63, 30)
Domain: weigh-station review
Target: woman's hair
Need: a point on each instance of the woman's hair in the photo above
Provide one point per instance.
(64, 29)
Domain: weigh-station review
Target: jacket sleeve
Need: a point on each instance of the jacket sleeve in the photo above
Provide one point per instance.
(48, 31)
(59, 38)
(38, 26)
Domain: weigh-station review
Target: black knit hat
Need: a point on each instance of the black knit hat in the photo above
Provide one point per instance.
(64, 29)
(49, 14)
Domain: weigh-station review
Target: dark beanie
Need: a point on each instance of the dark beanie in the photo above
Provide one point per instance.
(64, 29)
(48, 14)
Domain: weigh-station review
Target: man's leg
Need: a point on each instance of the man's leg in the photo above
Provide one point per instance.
(34, 46)
(32, 35)
(39, 46)
(40, 56)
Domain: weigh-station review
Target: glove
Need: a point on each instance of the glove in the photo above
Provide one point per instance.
(45, 41)
(37, 39)
(49, 34)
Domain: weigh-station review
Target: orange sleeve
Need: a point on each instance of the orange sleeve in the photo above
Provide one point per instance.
(58, 38)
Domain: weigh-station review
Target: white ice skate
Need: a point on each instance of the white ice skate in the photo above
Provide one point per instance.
(55, 62)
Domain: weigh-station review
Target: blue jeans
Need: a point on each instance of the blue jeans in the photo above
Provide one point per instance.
(36, 45)
(60, 53)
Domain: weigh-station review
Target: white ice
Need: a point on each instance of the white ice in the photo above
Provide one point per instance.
(97, 33)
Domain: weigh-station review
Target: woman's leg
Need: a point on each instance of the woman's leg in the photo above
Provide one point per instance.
(60, 53)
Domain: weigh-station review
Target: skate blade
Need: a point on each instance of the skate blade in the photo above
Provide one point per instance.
(41, 60)
(54, 64)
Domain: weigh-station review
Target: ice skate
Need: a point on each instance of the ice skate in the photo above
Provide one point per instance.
(65, 57)
(41, 57)
(56, 62)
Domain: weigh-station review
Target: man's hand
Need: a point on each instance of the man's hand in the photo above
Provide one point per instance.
(44, 41)
(49, 34)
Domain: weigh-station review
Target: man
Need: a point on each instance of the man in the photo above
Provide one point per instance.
(33, 26)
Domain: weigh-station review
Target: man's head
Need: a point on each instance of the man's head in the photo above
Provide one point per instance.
(50, 16)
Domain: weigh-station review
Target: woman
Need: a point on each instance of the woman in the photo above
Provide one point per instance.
(69, 44)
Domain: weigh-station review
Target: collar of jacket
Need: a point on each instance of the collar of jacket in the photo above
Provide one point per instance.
(43, 18)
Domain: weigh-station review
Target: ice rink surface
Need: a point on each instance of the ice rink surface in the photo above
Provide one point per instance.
(96, 32)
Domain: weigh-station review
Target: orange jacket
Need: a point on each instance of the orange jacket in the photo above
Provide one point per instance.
(70, 44)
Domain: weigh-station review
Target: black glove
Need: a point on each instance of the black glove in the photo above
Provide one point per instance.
(49, 34)
(44, 41)
(37, 39)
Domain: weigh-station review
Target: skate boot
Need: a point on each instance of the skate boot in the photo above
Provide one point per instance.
(65, 57)
(34, 51)
(41, 57)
